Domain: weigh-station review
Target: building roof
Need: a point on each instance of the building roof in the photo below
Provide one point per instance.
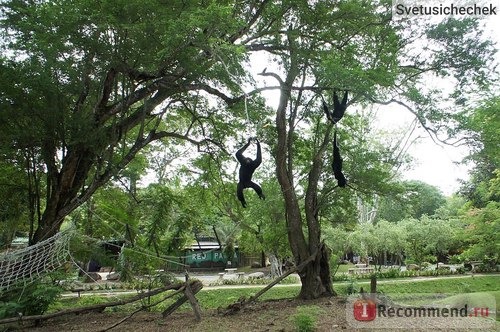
(204, 245)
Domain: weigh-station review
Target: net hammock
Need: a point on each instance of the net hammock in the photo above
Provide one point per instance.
(28, 264)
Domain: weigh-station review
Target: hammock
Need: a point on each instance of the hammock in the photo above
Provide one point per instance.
(28, 264)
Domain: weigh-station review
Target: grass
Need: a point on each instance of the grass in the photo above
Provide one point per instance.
(222, 297)
(468, 284)
(477, 300)
(305, 318)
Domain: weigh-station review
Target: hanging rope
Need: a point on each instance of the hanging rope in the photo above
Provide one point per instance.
(245, 95)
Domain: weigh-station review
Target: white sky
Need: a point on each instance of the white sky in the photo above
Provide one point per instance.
(434, 164)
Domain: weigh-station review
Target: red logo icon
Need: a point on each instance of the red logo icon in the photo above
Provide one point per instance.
(364, 310)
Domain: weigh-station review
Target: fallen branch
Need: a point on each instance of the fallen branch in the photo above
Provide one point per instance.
(193, 301)
(142, 308)
(95, 307)
(195, 287)
(235, 307)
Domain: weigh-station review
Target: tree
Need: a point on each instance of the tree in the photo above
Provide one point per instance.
(415, 199)
(481, 213)
(91, 84)
(482, 234)
(356, 47)
(482, 124)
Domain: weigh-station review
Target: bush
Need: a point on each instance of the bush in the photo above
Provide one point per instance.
(254, 281)
(484, 268)
(304, 322)
(455, 259)
(390, 273)
(35, 300)
(351, 287)
(425, 265)
(341, 277)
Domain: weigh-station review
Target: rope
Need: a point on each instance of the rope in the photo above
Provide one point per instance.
(245, 95)
(146, 252)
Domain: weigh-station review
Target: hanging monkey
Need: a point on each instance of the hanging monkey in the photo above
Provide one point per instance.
(337, 163)
(247, 167)
(338, 108)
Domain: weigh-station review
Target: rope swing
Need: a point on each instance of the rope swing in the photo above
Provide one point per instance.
(248, 123)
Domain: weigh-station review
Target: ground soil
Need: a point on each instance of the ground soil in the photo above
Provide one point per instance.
(262, 316)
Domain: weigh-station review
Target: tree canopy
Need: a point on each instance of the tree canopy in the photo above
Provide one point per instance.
(87, 85)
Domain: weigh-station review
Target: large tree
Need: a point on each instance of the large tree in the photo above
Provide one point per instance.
(322, 47)
(88, 84)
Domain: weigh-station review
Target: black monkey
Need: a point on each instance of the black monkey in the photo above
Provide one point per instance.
(338, 108)
(247, 167)
(337, 163)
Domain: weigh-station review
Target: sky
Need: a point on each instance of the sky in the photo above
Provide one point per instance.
(438, 165)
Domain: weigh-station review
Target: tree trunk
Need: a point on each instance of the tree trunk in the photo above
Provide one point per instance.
(275, 266)
(315, 276)
(316, 279)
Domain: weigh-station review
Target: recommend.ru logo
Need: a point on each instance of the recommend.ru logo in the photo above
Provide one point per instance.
(427, 311)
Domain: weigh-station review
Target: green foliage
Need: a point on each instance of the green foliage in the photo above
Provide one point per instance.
(168, 217)
(483, 123)
(392, 273)
(32, 299)
(465, 285)
(255, 281)
(305, 318)
(416, 199)
(222, 297)
(86, 86)
(482, 233)
(132, 263)
(351, 287)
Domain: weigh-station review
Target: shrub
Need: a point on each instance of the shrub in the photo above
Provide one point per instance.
(341, 277)
(425, 265)
(304, 322)
(351, 287)
(35, 300)
(455, 259)
(390, 273)
(254, 281)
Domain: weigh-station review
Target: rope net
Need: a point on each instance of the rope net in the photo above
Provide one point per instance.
(28, 264)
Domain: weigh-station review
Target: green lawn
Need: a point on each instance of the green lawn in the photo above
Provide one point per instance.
(222, 297)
